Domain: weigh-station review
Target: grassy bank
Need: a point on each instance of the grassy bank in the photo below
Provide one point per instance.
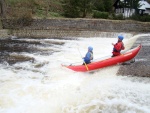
(38, 8)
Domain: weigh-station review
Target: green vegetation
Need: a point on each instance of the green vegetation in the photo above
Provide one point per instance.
(144, 18)
(77, 8)
(27, 9)
(38, 8)
(98, 14)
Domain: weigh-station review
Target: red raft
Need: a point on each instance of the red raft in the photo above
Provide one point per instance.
(106, 62)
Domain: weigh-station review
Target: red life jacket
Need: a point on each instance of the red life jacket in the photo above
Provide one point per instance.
(117, 48)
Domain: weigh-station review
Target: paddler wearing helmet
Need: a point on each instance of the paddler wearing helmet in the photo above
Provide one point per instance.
(118, 46)
(89, 56)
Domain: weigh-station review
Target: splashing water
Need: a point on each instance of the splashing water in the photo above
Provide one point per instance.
(43, 86)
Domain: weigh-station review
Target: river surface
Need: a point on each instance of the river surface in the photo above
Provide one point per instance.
(33, 81)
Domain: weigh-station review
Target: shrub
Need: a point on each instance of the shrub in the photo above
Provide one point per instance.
(98, 14)
(144, 18)
(17, 18)
(24, 20)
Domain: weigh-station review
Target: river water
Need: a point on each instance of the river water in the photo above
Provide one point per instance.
(33, 81)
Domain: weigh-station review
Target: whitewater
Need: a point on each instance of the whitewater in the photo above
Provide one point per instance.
(44, 86)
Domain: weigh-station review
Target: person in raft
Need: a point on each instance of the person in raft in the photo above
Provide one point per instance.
(118, 46)
(89, 56)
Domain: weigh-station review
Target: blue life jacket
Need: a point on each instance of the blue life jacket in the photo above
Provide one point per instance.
(88, 57)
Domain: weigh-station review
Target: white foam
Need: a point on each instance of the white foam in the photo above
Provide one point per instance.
(55, 89)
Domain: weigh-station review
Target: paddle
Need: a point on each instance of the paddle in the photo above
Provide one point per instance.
(84, 61)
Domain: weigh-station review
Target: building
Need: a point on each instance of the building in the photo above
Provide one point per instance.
(144, 7)
(127, 7)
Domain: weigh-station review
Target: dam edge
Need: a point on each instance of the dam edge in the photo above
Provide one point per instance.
(51, 28)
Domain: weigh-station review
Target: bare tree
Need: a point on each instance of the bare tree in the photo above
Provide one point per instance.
(3, 8)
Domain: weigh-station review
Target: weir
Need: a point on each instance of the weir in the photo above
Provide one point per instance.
(59, 28)
(60, 34)
(67, 33)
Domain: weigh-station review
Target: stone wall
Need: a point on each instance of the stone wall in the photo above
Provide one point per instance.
(4, 33)
(91, 24)
(76, 27)
(66, 33)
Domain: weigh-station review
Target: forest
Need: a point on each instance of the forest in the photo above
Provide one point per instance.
(30, 9)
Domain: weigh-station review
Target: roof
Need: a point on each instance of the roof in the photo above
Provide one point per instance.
(144, 5)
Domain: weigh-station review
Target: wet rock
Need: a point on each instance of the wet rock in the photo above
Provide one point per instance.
(12, 50)
(12, 59)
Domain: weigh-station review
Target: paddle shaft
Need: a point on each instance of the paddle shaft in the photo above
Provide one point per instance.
(83, 61)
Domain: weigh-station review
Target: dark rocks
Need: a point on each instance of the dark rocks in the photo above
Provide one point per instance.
(13, 50)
